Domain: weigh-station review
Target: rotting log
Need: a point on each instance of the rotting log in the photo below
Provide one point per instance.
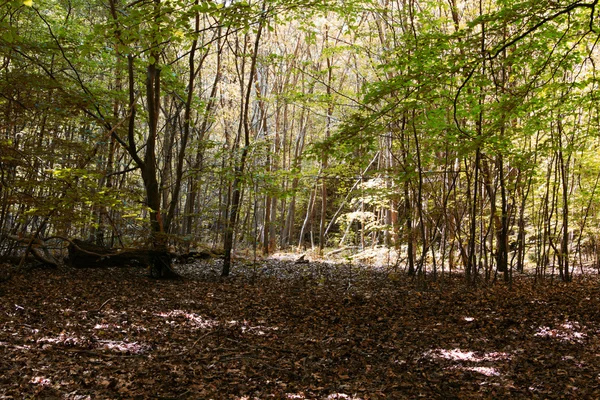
(84, 254)
(37, 248)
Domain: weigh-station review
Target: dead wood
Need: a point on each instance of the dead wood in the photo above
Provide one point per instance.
(37, 248)
(84, 254)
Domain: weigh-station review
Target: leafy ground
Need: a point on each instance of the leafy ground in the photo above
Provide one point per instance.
(295, 331)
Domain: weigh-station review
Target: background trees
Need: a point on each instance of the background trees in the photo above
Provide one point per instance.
(457, 134)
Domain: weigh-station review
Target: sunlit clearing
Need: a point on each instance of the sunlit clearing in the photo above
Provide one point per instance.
(566, 332)
(469, 319)
(284, 256)
(193, 319)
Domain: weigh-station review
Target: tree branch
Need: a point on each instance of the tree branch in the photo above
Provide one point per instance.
(544, 21)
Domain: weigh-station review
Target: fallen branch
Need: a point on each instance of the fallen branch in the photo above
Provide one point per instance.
(341, 249)
(34, 244)
(103, 304)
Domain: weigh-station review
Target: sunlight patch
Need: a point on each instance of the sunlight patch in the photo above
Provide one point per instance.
(284, 256)
(259, 330)
(193, 319)
(64, 339)
(567, 332)
(487, 371)
(301, 396)
(112, 345)
(104, 327)
(123, 347)
(40, 380)
(461, 355)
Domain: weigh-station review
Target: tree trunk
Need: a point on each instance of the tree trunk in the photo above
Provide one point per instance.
(240, 169)
(186, 129)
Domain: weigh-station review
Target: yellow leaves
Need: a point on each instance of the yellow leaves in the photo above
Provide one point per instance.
(130, 215)
(394, 276)
(28, 3)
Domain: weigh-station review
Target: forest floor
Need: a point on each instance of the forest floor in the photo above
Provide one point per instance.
(295, 331)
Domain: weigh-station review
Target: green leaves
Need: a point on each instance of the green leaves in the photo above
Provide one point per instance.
(9, 35)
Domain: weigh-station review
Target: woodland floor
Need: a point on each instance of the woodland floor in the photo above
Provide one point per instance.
(295, 331)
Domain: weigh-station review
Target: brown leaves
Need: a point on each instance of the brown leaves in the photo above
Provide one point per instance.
(117, 334)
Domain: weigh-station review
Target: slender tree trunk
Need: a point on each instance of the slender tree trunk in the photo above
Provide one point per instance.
(307, 218)
(471, 267)
(193, 184)
(563, 254)
(421, 265)
(240, 169)
(186, 128)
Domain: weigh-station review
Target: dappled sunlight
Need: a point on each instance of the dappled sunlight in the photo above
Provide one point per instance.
(24, 347)
(103, 327)
(283, 256)
(341, 396)
(487, 371)
(40, 380)
(195, 320)
(465, 359)
(302, 396)
(247, 328)
(566, 332)
(268, 339)
(64, 339)
(70, 340)
(461, 355)
(123, 347)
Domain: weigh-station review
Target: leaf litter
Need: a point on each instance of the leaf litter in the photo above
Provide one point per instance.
(281, 330)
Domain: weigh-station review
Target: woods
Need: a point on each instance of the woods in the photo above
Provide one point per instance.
(359, 199)
(458, 135)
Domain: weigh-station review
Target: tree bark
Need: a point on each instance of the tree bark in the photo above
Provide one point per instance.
(240, 169)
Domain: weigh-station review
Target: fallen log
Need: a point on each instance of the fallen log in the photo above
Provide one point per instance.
(84, 254)
(37, 248)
